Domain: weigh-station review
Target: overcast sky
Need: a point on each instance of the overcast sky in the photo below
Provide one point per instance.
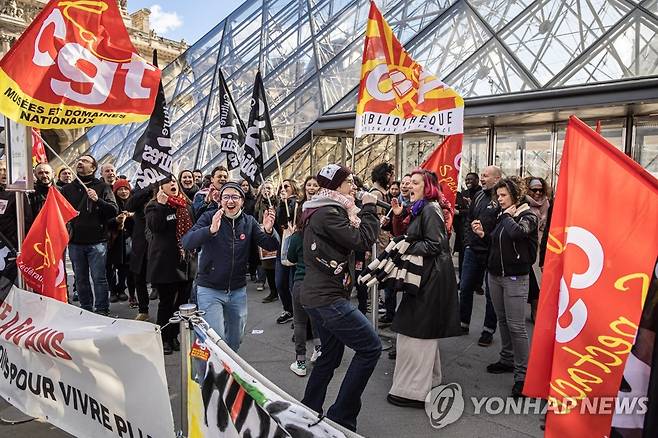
(192, 19)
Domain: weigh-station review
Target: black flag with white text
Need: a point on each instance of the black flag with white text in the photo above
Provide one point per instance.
(231, 127)
(153, 148)
(259, 130)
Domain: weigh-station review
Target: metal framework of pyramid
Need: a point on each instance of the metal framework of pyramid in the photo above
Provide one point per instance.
(309, 52)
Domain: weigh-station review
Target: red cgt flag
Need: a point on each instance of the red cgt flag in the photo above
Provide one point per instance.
(445, 161)
(38, 151)
(75, 66)
(41, 259)
(596, 276)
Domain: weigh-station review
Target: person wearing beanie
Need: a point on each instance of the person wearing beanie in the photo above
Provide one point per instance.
(120, 246)
(225, 235)
(335, 228)
(94, 199)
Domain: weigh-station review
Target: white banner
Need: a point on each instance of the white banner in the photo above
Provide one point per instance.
(227, 397)
(89, 375)
(446, 122)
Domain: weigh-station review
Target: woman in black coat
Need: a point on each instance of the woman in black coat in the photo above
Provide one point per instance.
(169, 270)
(431, 312)
(120, 242)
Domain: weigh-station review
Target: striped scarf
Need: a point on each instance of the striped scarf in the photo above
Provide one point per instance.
(395, 269)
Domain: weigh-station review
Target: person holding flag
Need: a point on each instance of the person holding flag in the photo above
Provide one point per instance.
(96, 203)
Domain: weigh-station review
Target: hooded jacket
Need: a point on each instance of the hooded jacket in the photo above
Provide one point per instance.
(514, 243)
(329, 243)
(90, 226)
(224, 255)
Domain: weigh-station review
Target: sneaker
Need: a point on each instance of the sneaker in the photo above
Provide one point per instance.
(123, 297)
(479, 290)
(464, 330)
(167, 348)
(153, 295)
(284, 317)
(114, 298)
(486, 339)
(317, 352)
(260, 288)
(132, 303)
(102, 312)
(75, 298)
(270, 299)
(142, 317)
(499, 368)
(252, 277)
(381, 311)
(298, 367)
(517, 389)
(393, 354)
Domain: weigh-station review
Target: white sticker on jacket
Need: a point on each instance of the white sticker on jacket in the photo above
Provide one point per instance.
(171, 217)
(3, 205)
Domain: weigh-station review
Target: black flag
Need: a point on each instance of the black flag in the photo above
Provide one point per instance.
(231, 127)
(259, 130)
(153, 149)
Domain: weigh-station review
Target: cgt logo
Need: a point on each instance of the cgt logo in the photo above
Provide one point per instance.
(444, 405)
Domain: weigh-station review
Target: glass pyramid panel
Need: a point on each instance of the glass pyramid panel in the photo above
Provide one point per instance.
(296, 34)
(630, 51)
(347, 104)
(341, 75)
(553, 33)
(283, 82)
(490, 71)
(350, 24)
(651, 5)
(456, 37)
(409, 17)
(323, 11)
(295, 115)
(497, 13)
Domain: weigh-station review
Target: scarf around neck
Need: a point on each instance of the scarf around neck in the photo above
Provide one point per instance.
(326, 197)
(183, 220)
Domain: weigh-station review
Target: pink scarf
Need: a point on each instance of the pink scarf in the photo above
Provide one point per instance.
(346, 202)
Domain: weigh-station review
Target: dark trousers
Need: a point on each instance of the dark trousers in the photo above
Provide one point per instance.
(390, 302)
(472, 275)
(142, 291)
(125, 278)
(172, 295)
(283, 283)
(270, 276)
(341, 324)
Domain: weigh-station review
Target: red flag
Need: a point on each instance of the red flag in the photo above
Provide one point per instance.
(38, 151)
(445, 161)
(596, 277)
(41, 258)
(75, 66)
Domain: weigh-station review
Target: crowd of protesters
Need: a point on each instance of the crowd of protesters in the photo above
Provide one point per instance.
(203, 238)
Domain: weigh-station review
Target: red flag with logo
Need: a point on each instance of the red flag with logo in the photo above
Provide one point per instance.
(445, 161)
(38, 151)
(75, 66)
(600, 256)
(41, 259)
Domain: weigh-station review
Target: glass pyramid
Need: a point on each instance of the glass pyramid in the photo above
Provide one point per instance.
(309, 52)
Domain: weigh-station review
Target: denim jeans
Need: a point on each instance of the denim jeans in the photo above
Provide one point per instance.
(472, 275)
(339, 325)
(226, 312)
(91, 259)
(284, 280)
(509, 296)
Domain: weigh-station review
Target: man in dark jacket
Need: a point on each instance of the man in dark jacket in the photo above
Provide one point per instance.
(225, 236)
(332, 232)
(88, 242)
(483, 210)
(462, 205)
(43, 180)
(207, 198)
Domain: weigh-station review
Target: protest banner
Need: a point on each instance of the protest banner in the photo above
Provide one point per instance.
(87, 374)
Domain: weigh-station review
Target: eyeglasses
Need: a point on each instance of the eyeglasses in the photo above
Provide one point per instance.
(537, 190)
(286, 186)
(233, 198)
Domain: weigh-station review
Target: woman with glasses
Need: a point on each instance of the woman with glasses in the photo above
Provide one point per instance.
(538, 200)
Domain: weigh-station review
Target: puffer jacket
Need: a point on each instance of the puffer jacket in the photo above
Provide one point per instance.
(514, 243)
(224, 256)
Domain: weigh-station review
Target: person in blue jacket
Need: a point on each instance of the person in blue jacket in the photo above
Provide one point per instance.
(225, 236)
